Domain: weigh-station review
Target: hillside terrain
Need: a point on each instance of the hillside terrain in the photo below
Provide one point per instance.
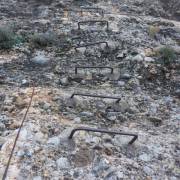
(110, 65)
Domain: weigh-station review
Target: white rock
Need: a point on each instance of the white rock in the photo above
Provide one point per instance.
(120, 174)
(149, 59)
(63, 163)
(2, 127)
(145, 157)
(148, 170)
(37, 178)
(82, 50)
(39, 137)
(77, 119)
(121, 83)
(138, 58)
(40, 59)
(54, 141)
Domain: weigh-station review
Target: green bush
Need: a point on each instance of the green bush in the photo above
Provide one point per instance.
(42, 40)
(167, 54)
(7, 38)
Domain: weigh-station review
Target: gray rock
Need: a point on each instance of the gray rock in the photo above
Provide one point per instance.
(2, 127)
(62, 163)
(149, 59)
(120, 174)
(92, 139)
(46, 106)
(64, 81)
(77, 119)
(138, 58)
(86, 114)
(145, 157)
(125, 76)
(121, 141)
(100, 166)
(123, 106)
(40, 59)
(54, 141)
(155, 120)
(121, 83)
(177, 92)
(100, 105)
(37, 178)
(148, 170)
(111, 116)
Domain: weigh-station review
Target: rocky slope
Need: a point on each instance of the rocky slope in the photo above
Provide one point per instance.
(141, 44)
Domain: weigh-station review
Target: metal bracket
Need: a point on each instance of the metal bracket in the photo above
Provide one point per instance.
(91, 44)
(98, 10)
(135, 136)
(92, 67)
(93, 21)
(93, 95)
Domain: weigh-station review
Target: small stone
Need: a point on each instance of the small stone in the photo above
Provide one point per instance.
(121, 83)
(86, 114)
(77, 119)
(82, 50)
(54, 141)
(2, 141)
(39, 137)
(148, 170)
(64, 81)
(125, 76)
(121, 141)
(2, 127)
(177, 92)
(24, 82)
(145, 157)
(94, 140)
(40, 59)
(122, 118)
(20, 103)
(46, 106)
(100, 105)
(149, 59)
(63, 163)
(138, 58)
(155, 120)
(100, 166)
(120, 174)
(37, 178)
(123, 106)
(15, 125)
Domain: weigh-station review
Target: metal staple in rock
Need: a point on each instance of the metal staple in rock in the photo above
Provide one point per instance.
(93, 21)
(94, 95)
(135, 136)
(93, 67)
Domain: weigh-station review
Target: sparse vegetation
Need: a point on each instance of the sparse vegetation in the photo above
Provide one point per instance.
(153, 30)
(167, 55)
(42, 40)
(7, 38)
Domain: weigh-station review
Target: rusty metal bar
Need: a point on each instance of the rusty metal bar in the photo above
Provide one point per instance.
(135, 136)
(93, 67)
(98, 10)
(91, 44)
(98, 96)
(93, 21)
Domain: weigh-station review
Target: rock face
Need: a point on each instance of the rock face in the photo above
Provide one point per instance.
(132, 54)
